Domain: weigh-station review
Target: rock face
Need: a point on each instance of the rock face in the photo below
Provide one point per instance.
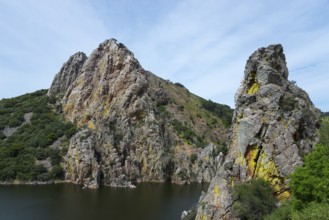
(274, 125)
(67, 75)
(134, 126)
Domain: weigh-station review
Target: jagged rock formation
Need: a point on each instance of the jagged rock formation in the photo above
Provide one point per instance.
(68, 74)
(274, 125)
(134, 126)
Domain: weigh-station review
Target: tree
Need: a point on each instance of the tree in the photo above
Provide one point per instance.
(253, 200)
(310, 183)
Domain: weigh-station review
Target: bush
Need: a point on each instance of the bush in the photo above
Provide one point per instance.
(179, 85)
(309, 187)
(221, 147)
(186, 133)
(310, 183)
(56, 172)
(324, 132)
(19, 152)
(288, 103)
(222, 111)
(253, 200)
(284, 212)
(313, 211)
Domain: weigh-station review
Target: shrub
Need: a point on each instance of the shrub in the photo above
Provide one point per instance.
(313, 211)
(221, 147)
(284, 212)
(179, 85)
(324, 131)
(288, 103)
(56, 172)
(310, 183)
(253, 200)
(30, 142)
(222, 111)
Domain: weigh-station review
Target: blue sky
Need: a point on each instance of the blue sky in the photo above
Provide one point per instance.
(203, 44)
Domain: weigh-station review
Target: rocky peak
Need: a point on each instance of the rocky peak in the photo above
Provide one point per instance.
(274, 125)
(136, 126)
(67, 75)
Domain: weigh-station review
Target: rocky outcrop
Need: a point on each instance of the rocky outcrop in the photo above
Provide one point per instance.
(274, 125)
(81, 161)
(9, 131)
(67, 75)
(135, 126)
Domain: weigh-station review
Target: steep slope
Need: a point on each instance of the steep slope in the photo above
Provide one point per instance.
(274, 125)
(136, 126)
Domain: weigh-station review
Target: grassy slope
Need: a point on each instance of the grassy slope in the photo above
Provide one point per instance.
(205, 120)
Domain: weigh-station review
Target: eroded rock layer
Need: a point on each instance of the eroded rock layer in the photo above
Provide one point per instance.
(274, 125)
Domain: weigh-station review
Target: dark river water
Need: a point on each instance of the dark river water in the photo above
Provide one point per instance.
(149, 201)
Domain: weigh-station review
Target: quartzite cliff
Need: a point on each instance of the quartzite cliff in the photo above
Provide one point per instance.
(274, 125)
(134, 126)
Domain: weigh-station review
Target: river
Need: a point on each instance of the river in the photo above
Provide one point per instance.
(149, 201)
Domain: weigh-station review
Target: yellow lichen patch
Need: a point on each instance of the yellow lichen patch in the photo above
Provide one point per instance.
(106, 111)
(68, 108)
(144, 166)
(204, 217)
(239, 117)
(266, 169)
(232, 182)
(284, 195)
(252, 155)
(240, 159)
(253, 89)
(216, 190)
(91, 125)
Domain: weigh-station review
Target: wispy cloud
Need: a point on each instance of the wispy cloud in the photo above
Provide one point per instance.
(202, 44)
(38, 36)
(205, 45)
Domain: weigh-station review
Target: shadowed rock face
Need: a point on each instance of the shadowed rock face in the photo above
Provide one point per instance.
(134, 126)
(274, 125)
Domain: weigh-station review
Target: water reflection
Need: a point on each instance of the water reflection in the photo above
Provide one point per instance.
(149, 201)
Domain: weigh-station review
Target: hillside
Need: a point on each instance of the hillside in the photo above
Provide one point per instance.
(29, 128)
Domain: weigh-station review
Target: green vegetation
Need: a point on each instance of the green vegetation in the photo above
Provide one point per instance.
(324, 132)
(325, 113)
(222, 111)
(188, 134)
(195, 116)
(221, 147)
(282, 213)
(310, 183)
(288, 103)
(253, 200)
(20, 153)
(179, 85)
(309, 187)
